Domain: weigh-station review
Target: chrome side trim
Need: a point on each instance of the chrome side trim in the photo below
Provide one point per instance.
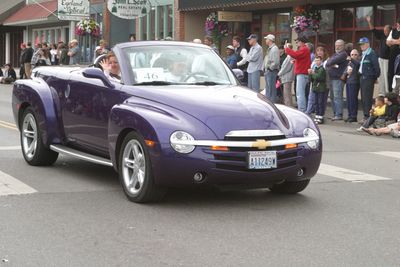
(80, 155)
(295, 140)
(252, 133)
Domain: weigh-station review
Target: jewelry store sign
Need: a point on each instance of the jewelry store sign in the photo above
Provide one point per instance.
(73, 9)
(129, 9)
(235, 16)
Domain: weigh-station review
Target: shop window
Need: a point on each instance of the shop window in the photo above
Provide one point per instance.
(278, 25)
(346, 17)
(346, 36)
(385, 15)
(325, 35)
(361, 14)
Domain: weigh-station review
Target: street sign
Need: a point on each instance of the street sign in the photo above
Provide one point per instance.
(129, 9)
(73, 9)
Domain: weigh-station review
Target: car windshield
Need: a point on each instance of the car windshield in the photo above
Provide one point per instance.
(166, 65)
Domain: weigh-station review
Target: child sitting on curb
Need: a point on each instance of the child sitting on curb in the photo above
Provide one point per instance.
(377, 112)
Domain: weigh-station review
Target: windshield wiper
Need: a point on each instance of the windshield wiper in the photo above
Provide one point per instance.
(155, 83)
(207, 83)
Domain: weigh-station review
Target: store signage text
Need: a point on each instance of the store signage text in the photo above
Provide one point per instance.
(73, 9)
(129, 9)
(235, 16)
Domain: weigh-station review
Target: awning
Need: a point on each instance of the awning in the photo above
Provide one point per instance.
(32, 14)
(190, 5)
(9, 7)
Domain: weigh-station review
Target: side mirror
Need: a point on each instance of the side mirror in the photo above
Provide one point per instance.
(96, 73)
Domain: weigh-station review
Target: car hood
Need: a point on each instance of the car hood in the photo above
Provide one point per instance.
(221, 108)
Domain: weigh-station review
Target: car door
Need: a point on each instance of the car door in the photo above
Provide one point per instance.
(85, 111)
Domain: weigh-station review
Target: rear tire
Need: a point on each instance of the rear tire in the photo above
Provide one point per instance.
(135, 172)
(33, 149)
(290, 187)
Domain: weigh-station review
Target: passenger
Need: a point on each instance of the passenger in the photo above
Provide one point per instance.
(111, 67)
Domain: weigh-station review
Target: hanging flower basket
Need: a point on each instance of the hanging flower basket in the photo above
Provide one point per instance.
(88, 27)
(217, 30)
(306, 18)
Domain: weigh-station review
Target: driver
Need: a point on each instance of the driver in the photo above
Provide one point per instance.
(177, 71)
(111, 67)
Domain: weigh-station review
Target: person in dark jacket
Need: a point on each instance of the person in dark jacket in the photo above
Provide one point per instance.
(392, 108)
(352, 85)
(9, 75)
(369, 73)
(336, 65)
(393, 41)
(21, 61)
(318, 86)
(27, 60)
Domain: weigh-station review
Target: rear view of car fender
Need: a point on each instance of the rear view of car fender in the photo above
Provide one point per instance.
(43, 100)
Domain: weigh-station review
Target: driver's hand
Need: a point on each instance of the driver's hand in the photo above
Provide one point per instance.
(104, 64)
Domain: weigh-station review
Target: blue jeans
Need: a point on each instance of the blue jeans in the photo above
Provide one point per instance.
(254, 81)
(270, 84)
(352, 99)
(319, 103)
(337, 89)
(311, 102)
(301, 83)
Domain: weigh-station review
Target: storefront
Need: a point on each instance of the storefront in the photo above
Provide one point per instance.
(342, 19)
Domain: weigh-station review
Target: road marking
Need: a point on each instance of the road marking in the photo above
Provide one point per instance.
(348, 175)
(4, 148)
(8, 125)
(11, 186)
(392, 154)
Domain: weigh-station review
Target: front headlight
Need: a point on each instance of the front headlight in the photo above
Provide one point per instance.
(181, 136)
(311, 133)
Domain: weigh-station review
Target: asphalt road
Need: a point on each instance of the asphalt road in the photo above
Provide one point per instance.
(77, 214)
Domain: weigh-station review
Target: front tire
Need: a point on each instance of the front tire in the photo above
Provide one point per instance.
(135, 172)
(290, 187)
(33, 149)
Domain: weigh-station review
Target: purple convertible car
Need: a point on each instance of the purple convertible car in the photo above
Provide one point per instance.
(178, 118)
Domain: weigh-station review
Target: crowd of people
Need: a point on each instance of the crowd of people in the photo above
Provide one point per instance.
(317, 76)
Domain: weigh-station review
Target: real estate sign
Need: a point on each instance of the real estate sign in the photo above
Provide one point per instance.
(129, 9)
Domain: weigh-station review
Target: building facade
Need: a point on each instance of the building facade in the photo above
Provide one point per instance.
(341, 19)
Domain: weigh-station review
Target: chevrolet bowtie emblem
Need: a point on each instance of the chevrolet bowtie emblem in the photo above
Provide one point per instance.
(261, 144)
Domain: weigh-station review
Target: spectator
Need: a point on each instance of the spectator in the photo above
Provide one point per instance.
(336, 65)
(286, 75)
(63, 54)
(393, 129)
(301, 66)
(369, 72)
(318, 86)
(384, 52)
(231, 57)
(36, 55)
(209, 42)
(9, 75)
(241, 54)
(132, 37)
(53, 54)
(352, 79)
(43, 58)
(392, 107)
(271, 67)
(101, 49)
(321, 52)
(255, 59)
(393, 41)
(74, 52)
(377, 112)
(21, 61)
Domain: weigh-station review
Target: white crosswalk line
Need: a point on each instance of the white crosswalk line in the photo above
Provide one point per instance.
(3, 148)
(11, 186)
(392, 154)
(348, 175)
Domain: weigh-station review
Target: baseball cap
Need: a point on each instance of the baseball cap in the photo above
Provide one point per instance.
(363, 40)
(270, 37)
(252, 36)
(230, 47)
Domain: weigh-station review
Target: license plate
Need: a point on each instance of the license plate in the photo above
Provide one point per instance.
(258, 160)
